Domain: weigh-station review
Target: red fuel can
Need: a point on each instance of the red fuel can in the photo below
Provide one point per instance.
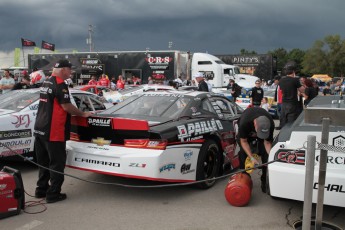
(239, 189)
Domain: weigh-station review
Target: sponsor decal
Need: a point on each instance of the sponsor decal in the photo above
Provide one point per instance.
(14, 152)
(162, 95)
(45, 90)
(99, 148)
(97, 162)
(339, 141)
(137, 165)
(21, 120)
(100, 141)
(188, 155)
(14, 134)
(294, 157)
(333, 160)
(3, 186)
(17, 143)
(186, 132)
(167, 167)
(158, 60)
(105, 122)
(33, 107)
(185, 168)
(194, 110)
(331, 187)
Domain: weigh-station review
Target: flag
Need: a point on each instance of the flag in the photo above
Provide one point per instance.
(48, 46)
(26, 42)
(36, 50)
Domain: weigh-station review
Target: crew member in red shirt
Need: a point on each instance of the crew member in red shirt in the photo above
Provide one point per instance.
(52, 130)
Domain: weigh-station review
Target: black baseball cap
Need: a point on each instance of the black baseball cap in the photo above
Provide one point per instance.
(63, 63)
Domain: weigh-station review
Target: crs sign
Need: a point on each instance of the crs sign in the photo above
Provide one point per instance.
(158, 60)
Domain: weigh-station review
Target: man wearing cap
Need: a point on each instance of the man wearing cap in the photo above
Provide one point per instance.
(255, 125)
(52, 129)
(202, 85)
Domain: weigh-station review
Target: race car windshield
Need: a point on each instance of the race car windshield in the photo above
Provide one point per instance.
(17, 100)
(155, 105)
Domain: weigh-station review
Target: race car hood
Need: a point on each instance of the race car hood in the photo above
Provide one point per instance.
(5, 111)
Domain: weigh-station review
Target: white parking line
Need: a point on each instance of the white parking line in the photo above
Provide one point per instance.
(30, 225)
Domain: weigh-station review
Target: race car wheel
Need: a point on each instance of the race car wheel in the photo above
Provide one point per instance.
(208, 164)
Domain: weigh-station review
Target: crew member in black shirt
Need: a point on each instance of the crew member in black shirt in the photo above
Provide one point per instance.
(255, 125)
(290, 85)
(52, 129)
(257, 93)
(202, 85)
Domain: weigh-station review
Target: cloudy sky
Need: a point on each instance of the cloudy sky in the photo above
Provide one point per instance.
(216, 27)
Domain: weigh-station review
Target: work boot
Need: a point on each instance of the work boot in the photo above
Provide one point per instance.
(56, 198)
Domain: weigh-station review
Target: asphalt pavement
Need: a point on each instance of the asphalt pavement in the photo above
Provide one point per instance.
(97, 206)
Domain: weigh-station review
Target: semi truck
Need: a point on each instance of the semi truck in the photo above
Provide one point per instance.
(159, 65)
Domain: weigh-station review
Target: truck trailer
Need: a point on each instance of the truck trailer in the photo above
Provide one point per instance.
(159, 65)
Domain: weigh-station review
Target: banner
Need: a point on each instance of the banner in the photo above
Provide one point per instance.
(48, 46)
(26, 42)
(17, 57)
(36, 50)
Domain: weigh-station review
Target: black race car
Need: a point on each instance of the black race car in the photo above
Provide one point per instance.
(171, 136)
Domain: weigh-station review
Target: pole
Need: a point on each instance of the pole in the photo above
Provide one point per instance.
(23, 55)
(309, 179)
(90, 37)
(322, 174)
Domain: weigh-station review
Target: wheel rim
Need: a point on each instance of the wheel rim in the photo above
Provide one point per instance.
(210, 164)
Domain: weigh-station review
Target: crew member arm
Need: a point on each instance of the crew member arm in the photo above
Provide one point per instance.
(6, 86)
(268, 146)
(71, 109)
(247, 150)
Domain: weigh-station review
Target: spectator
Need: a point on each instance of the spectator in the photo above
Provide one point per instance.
(257, 93)
(93, 80)
(290, 85)
(234, 89)
(264, 104)
(202, 85)
(310, 91)
(149, 80)
(104, 81)
(120, 84)
(24, 84)
(327, 90)
(7, 82)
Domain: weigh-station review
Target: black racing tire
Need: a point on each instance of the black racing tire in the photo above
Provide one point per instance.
(209, 163)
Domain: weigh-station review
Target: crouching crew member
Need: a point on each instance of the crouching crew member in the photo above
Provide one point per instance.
(52, 129)
(255, 125)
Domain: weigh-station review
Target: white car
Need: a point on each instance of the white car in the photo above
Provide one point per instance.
(120, 95)
(286, 177)
(18, 109)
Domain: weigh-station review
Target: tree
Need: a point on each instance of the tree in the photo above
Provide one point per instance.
(326, 56)
(244, 51)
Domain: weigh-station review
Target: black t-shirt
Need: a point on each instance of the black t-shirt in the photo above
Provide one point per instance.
(52, 121)
(311, 92)
(257, 93)
(289, 86)
(246, 127)
(21, 85)
(203, 86)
